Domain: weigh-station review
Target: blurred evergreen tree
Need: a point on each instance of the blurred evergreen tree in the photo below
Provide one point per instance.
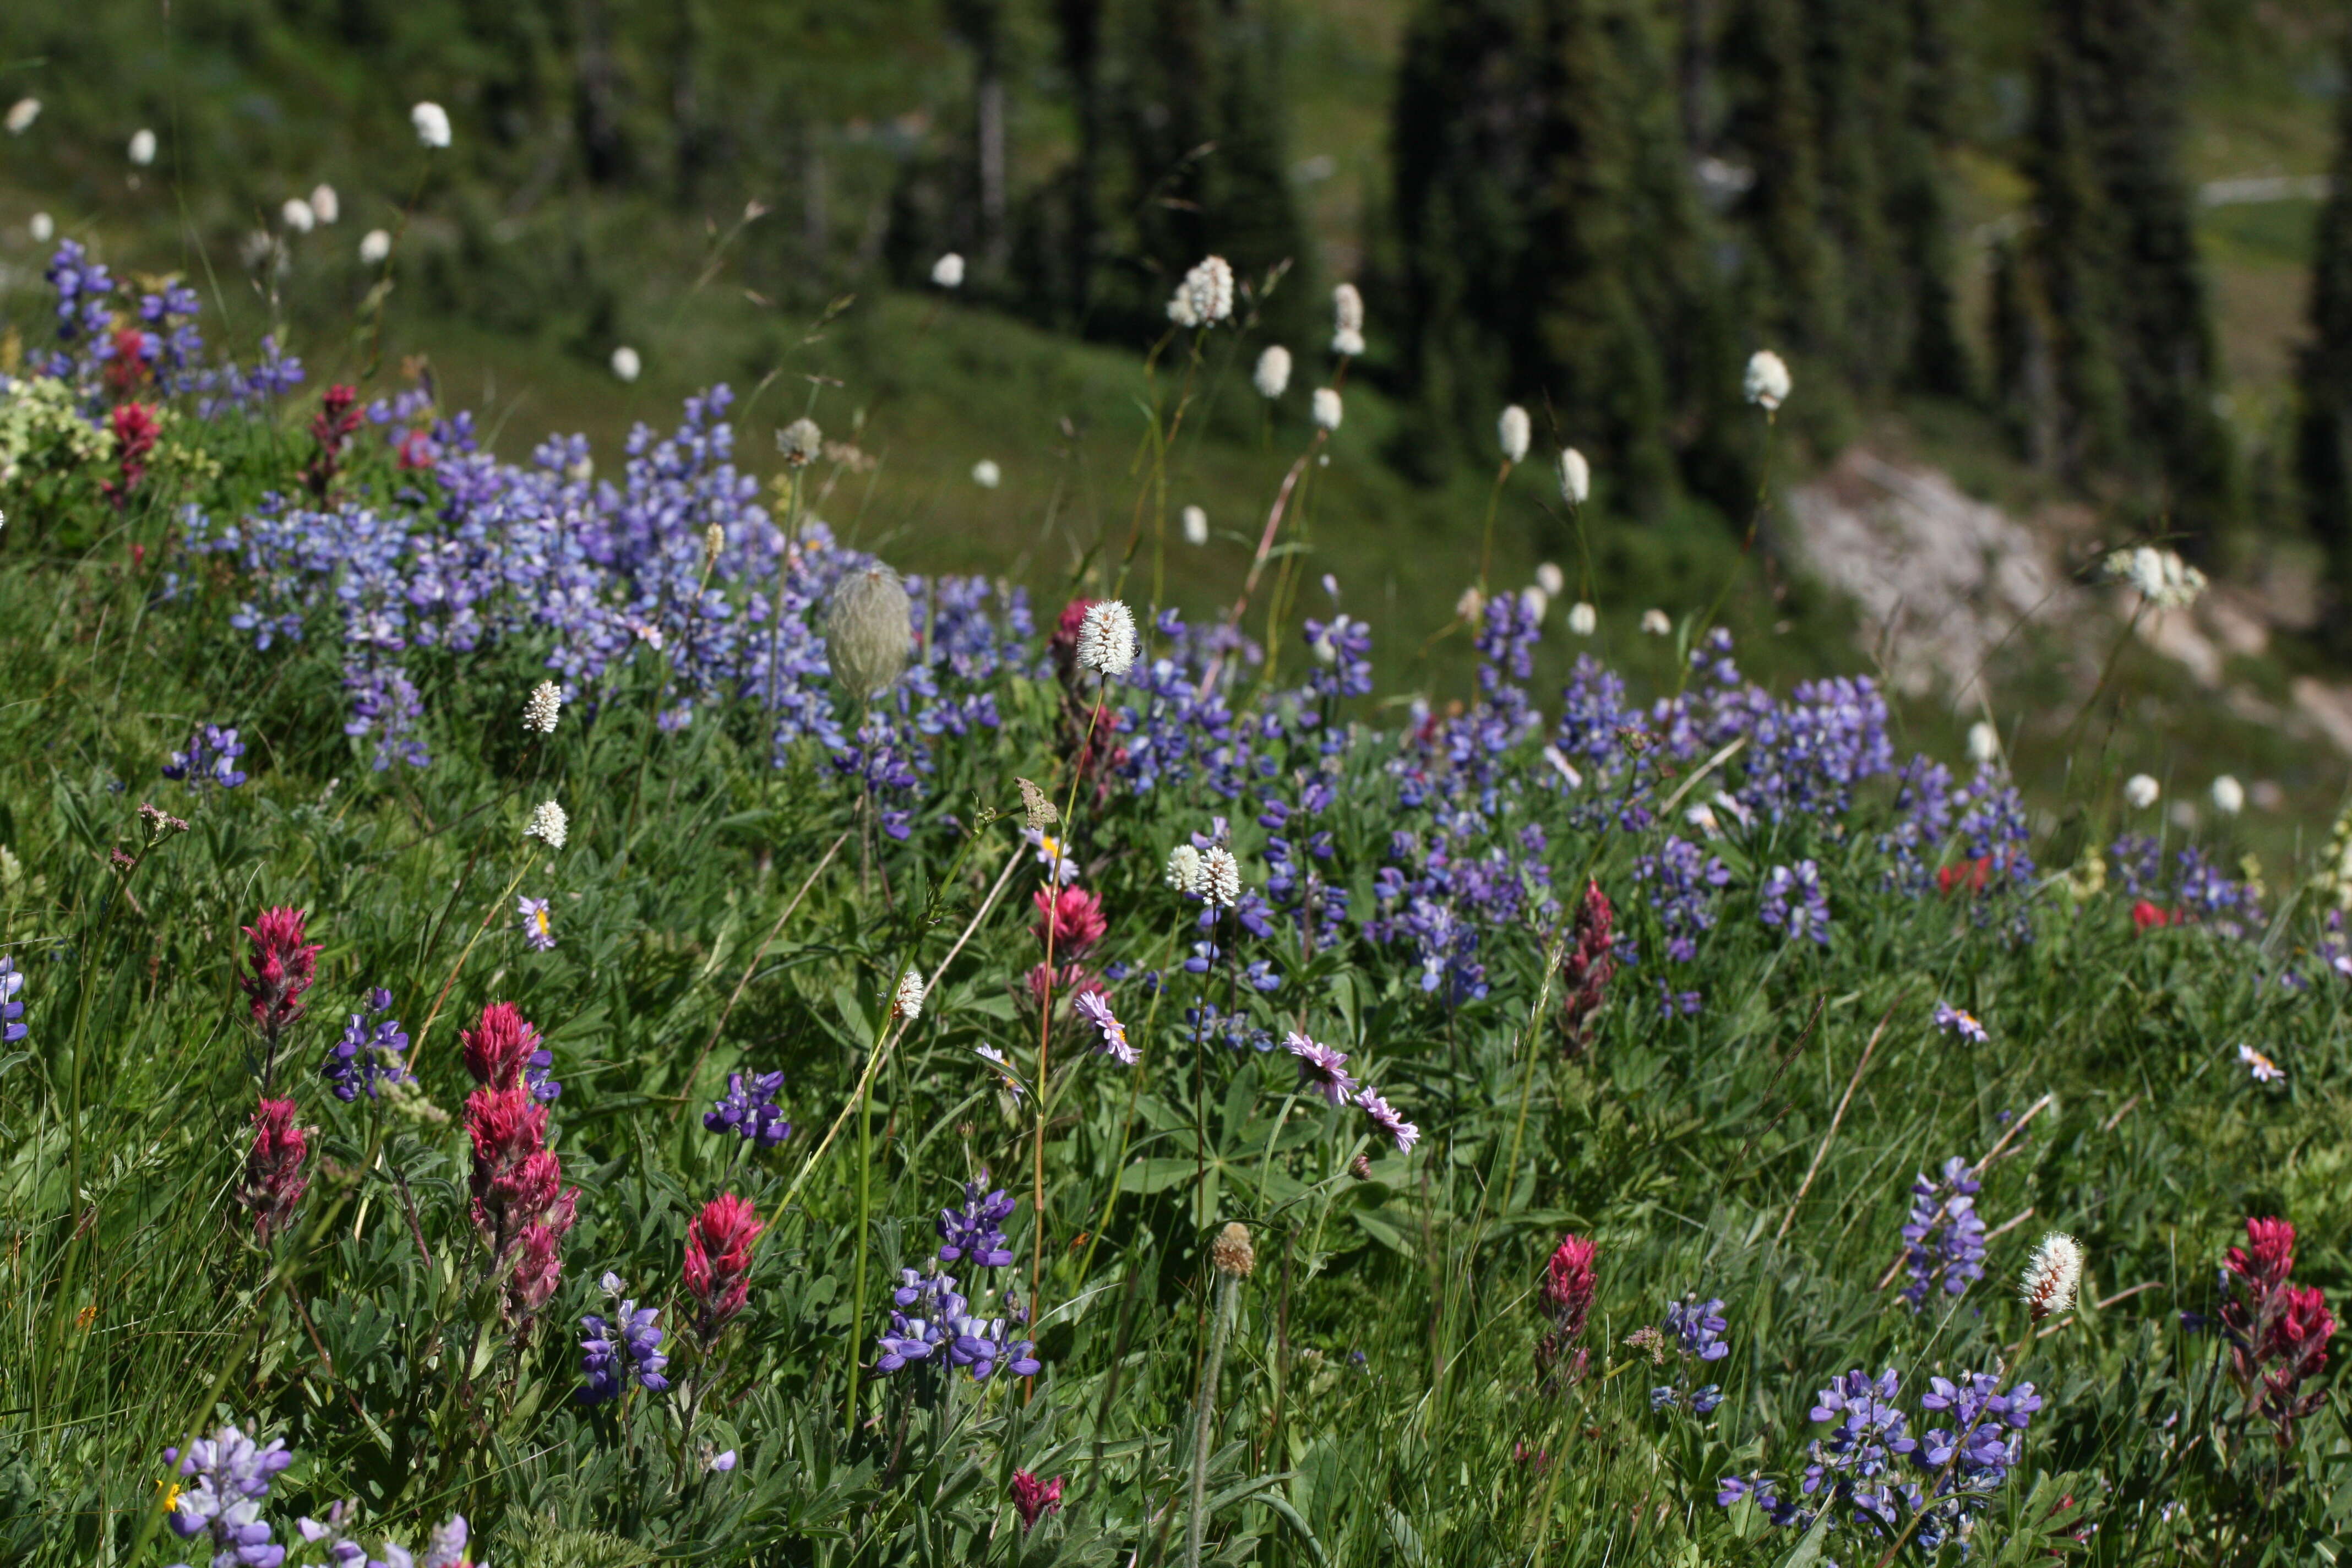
(1551, 248)
(2114, 262)
(2324, 443)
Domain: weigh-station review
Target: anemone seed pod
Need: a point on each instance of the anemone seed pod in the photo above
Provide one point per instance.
(1513, 432)
(1273, 374)
(869, 631)
(1766, 384)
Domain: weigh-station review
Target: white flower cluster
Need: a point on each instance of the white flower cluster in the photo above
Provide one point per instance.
(1273, 373)
(1575, 476)
(1212, 875)
(1327, 407)
(1347, 321)
(2052, 1277)
(947, 272)
(906, 1001)
(432, 122)
(2159, 576)
(1767, 384)
(549, 825)
(544, 708)
(1106, 639)
(1513, 431)
(1206, 295)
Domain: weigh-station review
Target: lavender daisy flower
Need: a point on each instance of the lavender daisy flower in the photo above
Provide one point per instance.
(536, 928)
(1092, 1006)
(1386, 1120)
(1952, 1020)
(1321, 1067)
(2264, 1070)
(1049, 848)
(996, 1060)
(748, 1109)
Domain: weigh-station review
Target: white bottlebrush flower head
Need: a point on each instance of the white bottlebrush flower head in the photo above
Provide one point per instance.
(2052, 1277)
(947, 272)
(986, 474)
(799, 443)
(2159, 576)
(21, 115)
(1272, 376)
(1327, 407)
(1984, 742)
(325, 203)
(42, 228)
(1347, 321)
(1583, 619)
(432, 122)
(142, 147)
(1657, 622)
(906, 1001)
(1536, 602)
(2140, 792)
(1575, 476)
(2229, 796)
(549, 825)
(1220, 878)
(374, 247)
(1471, 606)
(543, 707)
(298, 215)
(1196, 526)
(625, 363)
(1551, 579)
(1186, 871)
(1106, 639)
(1206, 295)
(1766, 384)
(1513, 432)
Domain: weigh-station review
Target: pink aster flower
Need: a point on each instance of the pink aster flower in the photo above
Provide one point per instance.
(1095, 1008)
(1321, 1068)
(1385, 1117)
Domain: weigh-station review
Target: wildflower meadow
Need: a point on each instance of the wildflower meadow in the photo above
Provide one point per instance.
(559, 1012)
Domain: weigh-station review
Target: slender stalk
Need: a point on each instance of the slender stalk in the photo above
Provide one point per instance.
(1204, 1418)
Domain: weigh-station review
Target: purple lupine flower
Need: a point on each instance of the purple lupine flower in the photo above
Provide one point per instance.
(634, 1336)
(1953, 1020)
(1321, 1068)
(922, 1309)
(1982, 1446)
(1386, 1120)
(1683, 880)
(1854, 1463)
(231, 1474)
(1944, 1240)
(1794, 902)
(537, 929)
(980, 1346)
(12, 1011)
(748, 1109)
(372, 1048)
(1729, 1489)
(1095, 1008)
(1695, 1328)
(209, 758)
(975, 1233)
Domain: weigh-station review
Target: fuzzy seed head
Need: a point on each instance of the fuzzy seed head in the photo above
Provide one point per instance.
(1232, 1253)
(1657, 623)
(1196, 526)
(2052, 1277)
(2140, 792)
(376, 245)
(1273, 374)
(2229, 796)
(1347, 321)
(549, 825)
(626, 365)
(1766, 384)
(142, 147)
(543, 707)
(1984, 742)
(1106, 639)
(1327, 409)
(1551, 579)
(1513, 432)
(799, 443)
(432, 123)
(947, 272)
(869, 631)
(1583, 619)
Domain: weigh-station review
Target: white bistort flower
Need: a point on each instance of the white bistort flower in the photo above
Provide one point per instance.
(1347, 321)
(1196, 526)
(1206, 295)
(986, 474)
(1471, 606)
(906, 1001)
(1984, 742)
(1551, 579)
(2229, 796)
(1583, 619)
(2052, 1277)
(543, 707)
(142, 147)
(947, 271)
(41, 227)
(1657, 622)
(799, 443)
(328, 205)
(549, 825)
(1513, 433)
(374, 247)
(298, 216)
(432, 122)
(1273, 373)
(1221, 878)
(2159, 576)
(2140, 792)
(1186, 872)
(1106, 639)
(1535, 601)
(1327, 407)
(21, 115)
(625, 363)
(1766, 384)
(1575, 476)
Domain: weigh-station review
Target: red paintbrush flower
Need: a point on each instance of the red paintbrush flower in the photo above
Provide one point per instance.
(1033, 1498)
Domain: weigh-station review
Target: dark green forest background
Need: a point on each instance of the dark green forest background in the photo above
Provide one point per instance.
(1595, 208)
